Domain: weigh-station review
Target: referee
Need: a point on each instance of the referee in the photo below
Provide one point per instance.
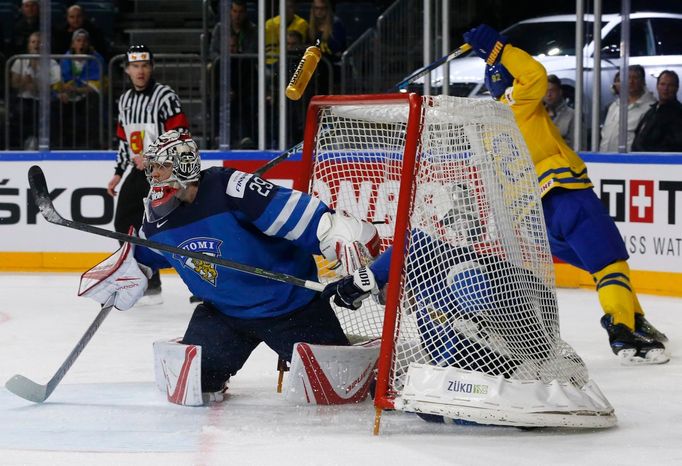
(145, 111)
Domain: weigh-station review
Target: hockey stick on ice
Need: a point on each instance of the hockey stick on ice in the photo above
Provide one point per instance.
(464, 48)
(36, 180)
(32, 391)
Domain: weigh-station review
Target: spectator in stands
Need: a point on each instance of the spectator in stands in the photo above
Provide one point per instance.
(76, 19)
(660, 129)
(639, 101)
(27, 24)
(25, 81)
(295, 42)
(243, 38)
(294, 23)
(144, 113)
(83, 81)
(615, 87)
(272, 50)
(244, 32)
(243, 94)
(561, 114)
(328, 29)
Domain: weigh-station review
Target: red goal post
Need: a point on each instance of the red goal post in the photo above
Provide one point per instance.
(470, 325)
(414, 102)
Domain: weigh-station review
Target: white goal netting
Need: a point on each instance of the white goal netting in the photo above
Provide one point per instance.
(476, 299)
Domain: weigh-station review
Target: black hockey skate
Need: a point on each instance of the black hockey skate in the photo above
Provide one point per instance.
(644, 328)
(632, 348)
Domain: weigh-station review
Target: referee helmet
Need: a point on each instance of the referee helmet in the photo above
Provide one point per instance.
(139, 53)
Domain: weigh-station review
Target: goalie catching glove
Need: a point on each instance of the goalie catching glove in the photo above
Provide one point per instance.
(352, 289)
(119, 273)
(351, 241)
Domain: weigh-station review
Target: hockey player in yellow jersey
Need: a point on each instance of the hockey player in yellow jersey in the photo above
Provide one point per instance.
(579, 228)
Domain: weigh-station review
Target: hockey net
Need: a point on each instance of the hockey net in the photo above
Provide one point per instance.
(470, 325)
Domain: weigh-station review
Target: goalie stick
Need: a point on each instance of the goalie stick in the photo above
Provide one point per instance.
(32, 391)
(41, 196)
(464, 48)
(280, 158)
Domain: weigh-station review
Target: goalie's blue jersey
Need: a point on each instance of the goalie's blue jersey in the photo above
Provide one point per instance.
(243, 218)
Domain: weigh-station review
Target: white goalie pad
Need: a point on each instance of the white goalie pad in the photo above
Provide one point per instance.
(331, 375)
(177, 371)
(487, 399)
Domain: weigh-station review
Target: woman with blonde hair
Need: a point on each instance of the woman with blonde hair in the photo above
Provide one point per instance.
(331, 34)
(328, 29)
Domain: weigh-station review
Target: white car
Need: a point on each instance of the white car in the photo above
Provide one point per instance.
(656, 44)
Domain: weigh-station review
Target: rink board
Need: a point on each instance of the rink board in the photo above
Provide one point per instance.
(642, 192)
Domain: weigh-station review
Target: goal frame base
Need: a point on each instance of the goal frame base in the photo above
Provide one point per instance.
(495, 417)
(494, 400)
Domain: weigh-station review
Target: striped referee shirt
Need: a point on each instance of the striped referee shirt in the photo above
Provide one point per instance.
(142, 117)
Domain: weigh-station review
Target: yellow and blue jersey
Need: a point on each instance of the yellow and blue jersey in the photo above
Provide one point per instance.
(556, 164)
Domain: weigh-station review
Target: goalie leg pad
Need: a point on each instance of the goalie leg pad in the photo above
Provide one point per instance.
(331, 375)
(177, 371)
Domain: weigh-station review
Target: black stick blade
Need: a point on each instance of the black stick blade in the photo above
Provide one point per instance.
(37, 181)
(41, 195)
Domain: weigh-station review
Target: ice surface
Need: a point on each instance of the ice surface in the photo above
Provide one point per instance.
(107, 410)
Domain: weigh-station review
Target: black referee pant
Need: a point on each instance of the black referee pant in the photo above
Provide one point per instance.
(130, 209)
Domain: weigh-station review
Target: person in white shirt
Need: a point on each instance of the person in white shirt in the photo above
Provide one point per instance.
(639, 101)
(25, 81)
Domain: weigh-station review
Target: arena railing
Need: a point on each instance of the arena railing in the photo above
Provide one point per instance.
(379, 57)
(243, 105)
(359, 65)
(76, 121)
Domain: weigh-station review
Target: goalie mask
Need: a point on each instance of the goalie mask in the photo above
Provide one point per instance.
(460, 224)
(176, 156)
